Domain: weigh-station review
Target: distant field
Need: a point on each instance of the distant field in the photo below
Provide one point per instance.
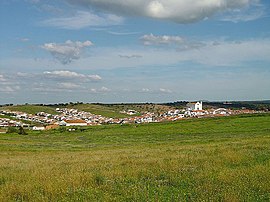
(30, 109)
(113, 110)
(222, 159)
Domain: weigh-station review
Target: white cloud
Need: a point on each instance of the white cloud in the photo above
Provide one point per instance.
(180, 11)
(6, 89)
(51, 9)
(93, 90)
(130, 56)
(33, 1)
(248, 14)
(161, 40)
(94, 77)
(145, 90)
(228, 53)
(23, 74)
(24, 39)
(68, 86)
(177, 42)
(9, 89)
(83, 19)
(100, 90)
(2, 78)
(212, 53)
(123, 33)
(71, 75)
(163, 90)
(68, 51)
(104, 89)
(156, 91)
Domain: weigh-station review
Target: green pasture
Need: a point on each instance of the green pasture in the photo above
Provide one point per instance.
(30, 109)
(220, 159)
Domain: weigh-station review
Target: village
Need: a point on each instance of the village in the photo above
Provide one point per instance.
(73, 117)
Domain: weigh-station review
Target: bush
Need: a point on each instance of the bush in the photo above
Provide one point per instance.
(12, 130)
(62, 129)
(19, 130)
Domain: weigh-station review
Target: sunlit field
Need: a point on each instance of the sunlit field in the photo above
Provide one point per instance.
(221, 159)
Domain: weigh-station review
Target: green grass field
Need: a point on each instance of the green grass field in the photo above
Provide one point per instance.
(30, 109)
(222, 159)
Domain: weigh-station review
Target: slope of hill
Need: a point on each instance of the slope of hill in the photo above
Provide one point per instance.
(113, 110)
(30, 109)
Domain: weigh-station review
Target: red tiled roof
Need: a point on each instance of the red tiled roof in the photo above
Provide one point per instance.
(75, 121)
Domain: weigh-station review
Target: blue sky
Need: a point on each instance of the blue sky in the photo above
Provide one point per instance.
(134, 51)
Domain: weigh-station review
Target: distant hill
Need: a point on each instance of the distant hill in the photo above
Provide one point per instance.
(30, 109)
(113, 110)
(254, 105)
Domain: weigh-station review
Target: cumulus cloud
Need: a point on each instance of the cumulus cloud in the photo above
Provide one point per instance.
(68, 51)
(83, 19)
(180, 11)
(70, 75)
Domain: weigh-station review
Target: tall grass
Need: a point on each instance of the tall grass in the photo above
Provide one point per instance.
(193, 160)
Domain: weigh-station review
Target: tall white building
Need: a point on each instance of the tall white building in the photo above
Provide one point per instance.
(194, 106)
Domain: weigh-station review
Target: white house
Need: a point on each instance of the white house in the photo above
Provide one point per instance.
(38, 128)
(221, 111)
(194, 106)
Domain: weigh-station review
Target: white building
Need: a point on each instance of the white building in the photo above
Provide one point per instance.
(38, 128)
(194, 106)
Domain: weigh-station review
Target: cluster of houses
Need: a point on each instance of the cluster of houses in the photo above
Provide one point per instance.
(6, 122)
(74, 117)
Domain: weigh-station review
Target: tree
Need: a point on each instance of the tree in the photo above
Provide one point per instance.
(21, 131)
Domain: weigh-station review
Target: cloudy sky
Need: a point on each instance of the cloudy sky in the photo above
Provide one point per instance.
(134, 51)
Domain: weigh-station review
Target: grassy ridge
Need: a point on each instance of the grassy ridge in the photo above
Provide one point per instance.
(113, 110)
(224, 159)
(30, 109)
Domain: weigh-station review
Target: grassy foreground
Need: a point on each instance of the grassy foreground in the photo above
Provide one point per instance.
(223, 159)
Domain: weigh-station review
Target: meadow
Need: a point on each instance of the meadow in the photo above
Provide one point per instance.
(209, 159)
